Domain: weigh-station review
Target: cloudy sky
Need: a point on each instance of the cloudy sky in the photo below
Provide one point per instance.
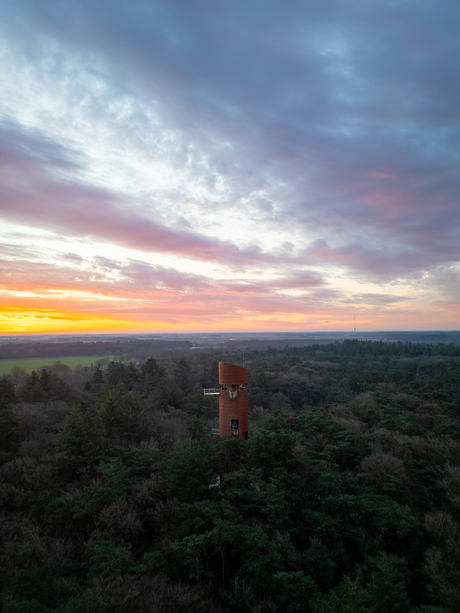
(229, 165)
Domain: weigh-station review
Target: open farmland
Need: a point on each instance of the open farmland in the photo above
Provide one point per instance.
(31, 364)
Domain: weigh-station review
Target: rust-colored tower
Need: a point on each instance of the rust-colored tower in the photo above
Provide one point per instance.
(233, 401)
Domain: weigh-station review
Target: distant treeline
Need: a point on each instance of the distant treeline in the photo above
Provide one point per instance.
(44, 350)
(144, 348)
(398, 349)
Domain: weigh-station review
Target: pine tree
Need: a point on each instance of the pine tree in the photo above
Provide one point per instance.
(10, 428)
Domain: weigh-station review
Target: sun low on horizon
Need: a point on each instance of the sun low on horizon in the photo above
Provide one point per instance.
(192, 167)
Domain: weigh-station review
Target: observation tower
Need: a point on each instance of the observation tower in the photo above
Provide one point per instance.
(233, 401)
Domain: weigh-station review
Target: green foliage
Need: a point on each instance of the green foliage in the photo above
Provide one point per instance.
(31, 389)
(325, 479)
(7, 392)
(122, 415)
(261, 556)
(152, 560)
(117, 373)
(427, 609)
(347, 451)
(387, 585)
(373, 512)
(396, 489)
(215, 534)
(48, 386)
(165, 395)
(80, 442)
(32, 584)
(183, 374)
(319, 563)
(442, 559)
(348, 597)
(106, 557)
(141, 461)
(350, 506)
(152, 373)
(32, 591)
(191, 471)
(34, 606)
(116, 484)
(10, 429)
(272, 447)
(295, 590)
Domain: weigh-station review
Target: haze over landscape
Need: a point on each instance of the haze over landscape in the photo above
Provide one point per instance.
(214, 166)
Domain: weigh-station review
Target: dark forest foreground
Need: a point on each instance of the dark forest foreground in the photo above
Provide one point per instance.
(115, 497)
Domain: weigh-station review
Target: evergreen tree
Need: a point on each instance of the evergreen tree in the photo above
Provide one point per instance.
(80, 442)
(10, 428)
(191, 470)
(7, 392)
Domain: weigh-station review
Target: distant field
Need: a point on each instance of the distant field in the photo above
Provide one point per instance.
(31, 364)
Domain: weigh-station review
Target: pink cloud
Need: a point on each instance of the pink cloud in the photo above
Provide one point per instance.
(20, 271)
(321, 250)
(380, 175)
(33, 195)
(393, 202)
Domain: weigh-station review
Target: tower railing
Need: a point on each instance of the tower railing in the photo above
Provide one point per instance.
(212, 391)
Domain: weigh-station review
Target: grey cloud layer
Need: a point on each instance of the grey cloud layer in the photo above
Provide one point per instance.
(344, 114)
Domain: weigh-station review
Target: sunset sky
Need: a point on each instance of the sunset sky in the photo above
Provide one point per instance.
(213, 165)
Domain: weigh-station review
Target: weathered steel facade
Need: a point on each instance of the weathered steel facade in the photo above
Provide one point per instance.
(233, 401)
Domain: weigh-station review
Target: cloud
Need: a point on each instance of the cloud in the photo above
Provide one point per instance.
(23, 269)
(20, 150)
(133, 291)
(375, 299)
(32, 195)
(279, 137)
(72, 257)
(380, 263)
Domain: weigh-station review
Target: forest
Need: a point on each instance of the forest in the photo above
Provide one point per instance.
(115, 496)
(9, 351)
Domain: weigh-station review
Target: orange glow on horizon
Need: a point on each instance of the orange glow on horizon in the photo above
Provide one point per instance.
(19, 320)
